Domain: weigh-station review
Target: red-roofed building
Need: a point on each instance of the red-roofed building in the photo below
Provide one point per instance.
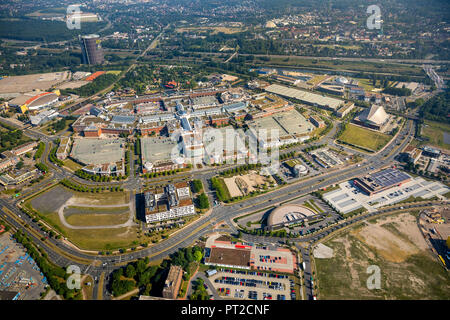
(95, 75)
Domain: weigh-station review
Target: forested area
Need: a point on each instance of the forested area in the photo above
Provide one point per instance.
(43, 30)
(95, 86)
(11, 138)
(150, 278)
(437, 108)
(398, 91)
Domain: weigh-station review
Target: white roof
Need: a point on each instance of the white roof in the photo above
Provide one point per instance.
(305, 96)
(375, 114)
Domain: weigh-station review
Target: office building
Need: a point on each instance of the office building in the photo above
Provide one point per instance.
(91, 49)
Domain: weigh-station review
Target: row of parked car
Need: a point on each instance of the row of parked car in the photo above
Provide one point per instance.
(255, 273)
(250, 282)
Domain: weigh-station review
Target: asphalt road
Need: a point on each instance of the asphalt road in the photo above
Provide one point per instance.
(204, 226)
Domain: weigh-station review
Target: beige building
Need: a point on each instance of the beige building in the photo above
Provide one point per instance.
(173, 282)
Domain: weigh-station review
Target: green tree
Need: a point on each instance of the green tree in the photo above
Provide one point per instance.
(198, 256)
(131, 271)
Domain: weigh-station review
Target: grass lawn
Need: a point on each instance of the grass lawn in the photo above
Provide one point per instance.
(227, 195)
(72, 165)
(435, 132)
(318, 209)
(102, 219)
(365, 138)
(108, 198)
(115, 72)
(99, 239)
(316, 79)
(366, 84)
(92, 239)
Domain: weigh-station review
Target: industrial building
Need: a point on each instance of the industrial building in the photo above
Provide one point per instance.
(157, 154)
(99, 156)
(238, 257)
(379, 181)
(91, 49)
(325, 158)
(431, 152)
(43, 117)
(350, 197)
(306, 97)
(316, 121)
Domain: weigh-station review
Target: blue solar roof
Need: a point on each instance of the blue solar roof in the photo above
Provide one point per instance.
(389, 177)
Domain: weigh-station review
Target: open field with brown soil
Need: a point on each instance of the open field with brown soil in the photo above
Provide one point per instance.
(396, 246)
(244, 184)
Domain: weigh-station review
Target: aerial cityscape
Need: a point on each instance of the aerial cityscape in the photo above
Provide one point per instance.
(244, 151)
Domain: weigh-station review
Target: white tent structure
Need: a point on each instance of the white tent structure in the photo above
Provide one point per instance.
(376, 115)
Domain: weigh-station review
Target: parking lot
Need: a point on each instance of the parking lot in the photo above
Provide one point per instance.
(18, 271)
(253, 285)
(349, 197)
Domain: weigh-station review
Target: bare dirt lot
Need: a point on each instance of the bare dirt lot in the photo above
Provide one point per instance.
(26, 83)
(73, 84)
(244, 184)
(396, 246)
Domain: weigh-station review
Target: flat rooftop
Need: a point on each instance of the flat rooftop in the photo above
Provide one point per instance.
(349, 197)
(386, 178)
(157, 149)
(98, 151)
(288, 123)
(304, 96)
(226, 256)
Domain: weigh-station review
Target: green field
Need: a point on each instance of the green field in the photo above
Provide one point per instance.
(101, 219)
(47, 204)
(434, 131)
(407, 268)
(98, 239)
(72, 165)
(109, 198)
(365, 138)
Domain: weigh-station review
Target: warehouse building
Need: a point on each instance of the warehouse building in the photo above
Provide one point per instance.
(382, 180)
(306, 97)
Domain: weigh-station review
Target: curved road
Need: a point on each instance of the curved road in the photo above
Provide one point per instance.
(64, 255)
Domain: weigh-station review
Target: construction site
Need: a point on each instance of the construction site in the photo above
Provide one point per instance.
(20, 276)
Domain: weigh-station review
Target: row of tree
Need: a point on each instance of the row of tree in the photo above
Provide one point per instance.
(54, 274)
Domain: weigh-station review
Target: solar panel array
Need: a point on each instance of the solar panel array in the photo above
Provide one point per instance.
(389, 177)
